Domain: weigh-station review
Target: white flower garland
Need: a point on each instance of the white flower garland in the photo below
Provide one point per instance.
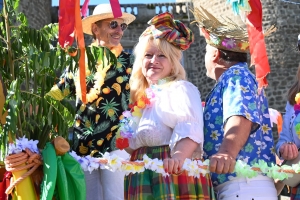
(194, 168)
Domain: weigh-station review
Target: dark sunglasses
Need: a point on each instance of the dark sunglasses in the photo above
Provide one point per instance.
(114, 24)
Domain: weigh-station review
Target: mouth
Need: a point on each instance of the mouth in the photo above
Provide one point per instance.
(117, 37)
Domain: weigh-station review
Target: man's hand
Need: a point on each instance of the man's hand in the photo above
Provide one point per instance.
(236, 132)
(288, 151)
(222, 163)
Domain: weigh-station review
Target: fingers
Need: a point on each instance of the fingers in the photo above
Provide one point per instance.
(294, 151)
(289, 151)
(172, 166)
(221, 163)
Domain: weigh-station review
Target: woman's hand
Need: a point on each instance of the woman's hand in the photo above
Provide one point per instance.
(173, 165)
(182, 150)
(288, 151)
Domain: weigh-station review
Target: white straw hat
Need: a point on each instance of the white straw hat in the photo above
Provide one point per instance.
(103, 11)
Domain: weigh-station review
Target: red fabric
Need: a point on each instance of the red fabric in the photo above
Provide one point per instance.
(5, 184)
(116, 9)
(66, 22)
(257, 44)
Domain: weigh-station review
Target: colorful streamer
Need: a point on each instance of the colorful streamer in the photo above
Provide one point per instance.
(115, 6)
(257, 44)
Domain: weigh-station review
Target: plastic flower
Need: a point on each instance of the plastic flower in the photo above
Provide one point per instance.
(229, 43)
(122, 143)
(114, 162)
(192, 167)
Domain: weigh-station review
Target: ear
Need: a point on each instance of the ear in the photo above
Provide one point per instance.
(95, 28)
(216, 54)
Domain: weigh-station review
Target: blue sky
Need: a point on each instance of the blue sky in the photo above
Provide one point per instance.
(96, 2)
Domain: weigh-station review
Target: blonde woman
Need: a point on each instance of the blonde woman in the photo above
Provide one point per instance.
(167, 112)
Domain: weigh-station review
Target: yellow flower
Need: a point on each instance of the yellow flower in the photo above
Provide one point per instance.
(265, 128)
(141, 104)
(137, 112)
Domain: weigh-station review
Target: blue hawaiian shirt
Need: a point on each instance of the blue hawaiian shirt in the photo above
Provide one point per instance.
(236, 93)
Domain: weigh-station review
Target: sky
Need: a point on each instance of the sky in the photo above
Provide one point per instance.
(96, 2)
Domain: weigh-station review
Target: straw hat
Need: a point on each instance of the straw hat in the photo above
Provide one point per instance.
(103, 11)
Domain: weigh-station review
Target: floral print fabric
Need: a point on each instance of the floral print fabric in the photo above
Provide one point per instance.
(236, 93)
(96, 122)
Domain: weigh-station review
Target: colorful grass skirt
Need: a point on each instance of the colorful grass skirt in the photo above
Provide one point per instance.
(151, 185)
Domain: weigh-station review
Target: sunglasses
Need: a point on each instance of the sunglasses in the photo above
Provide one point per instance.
(114, 25)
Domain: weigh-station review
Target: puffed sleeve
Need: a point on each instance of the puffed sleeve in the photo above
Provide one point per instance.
(286, 135)
(180, 108)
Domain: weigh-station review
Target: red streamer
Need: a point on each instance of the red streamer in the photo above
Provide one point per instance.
(66, 22)
(257, 44)
(84, 8)
(70, 23)
(116, 8)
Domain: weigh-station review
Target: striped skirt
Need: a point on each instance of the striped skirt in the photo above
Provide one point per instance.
(295, 194)
(150, 185)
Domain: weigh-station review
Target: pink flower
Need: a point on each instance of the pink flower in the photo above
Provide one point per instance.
(229, 43)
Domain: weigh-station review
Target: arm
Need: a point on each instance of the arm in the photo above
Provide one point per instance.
(236, 133)
(285, 148)
(180, 153)
(181, 109)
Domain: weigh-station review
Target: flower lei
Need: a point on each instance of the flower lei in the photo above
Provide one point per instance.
(128, 124)
(297, 111)
(99, 76)
(194, 167)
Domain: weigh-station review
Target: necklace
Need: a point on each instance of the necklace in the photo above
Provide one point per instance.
(129, 123)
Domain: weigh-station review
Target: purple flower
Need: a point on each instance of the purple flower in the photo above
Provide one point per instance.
(229, 43)
(126, 134)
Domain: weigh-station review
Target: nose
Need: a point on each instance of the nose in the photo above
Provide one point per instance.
(154, 59)
(119, 28)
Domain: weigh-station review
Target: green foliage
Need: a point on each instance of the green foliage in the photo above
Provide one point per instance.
(29, 64)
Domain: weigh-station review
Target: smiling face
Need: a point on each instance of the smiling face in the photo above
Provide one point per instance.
(107, 36)
(155, 65)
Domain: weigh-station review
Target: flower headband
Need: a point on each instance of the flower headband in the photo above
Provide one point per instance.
(174, 31)
(225, 35)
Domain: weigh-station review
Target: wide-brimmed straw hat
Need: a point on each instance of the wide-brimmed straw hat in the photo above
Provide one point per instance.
(103, 11)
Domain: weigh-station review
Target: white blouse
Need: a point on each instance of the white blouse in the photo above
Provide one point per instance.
(175, 114)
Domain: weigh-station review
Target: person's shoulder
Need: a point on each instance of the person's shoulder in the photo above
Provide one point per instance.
(183, 84)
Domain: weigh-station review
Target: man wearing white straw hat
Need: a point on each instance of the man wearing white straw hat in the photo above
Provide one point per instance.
(96, 121)
(107, 31)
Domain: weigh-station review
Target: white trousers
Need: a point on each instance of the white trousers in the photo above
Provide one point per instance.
(103, 184)
(257, 188)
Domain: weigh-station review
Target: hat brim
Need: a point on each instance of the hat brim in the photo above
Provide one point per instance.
(88, 21)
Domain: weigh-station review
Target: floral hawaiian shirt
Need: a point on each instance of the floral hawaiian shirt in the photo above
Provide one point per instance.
(236, 93)
(96, 122)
